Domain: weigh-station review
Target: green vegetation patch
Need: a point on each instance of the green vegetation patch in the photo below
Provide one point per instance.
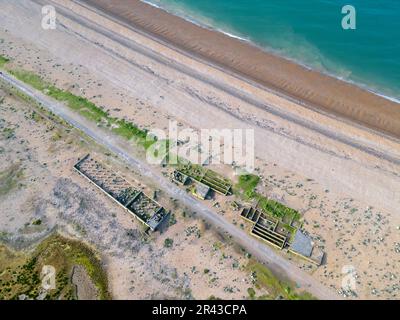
(275, 208)
(30, 78)
(84, 107)
(128, 130)
(8, 133)
(251, 292)
(277, 289)
(9, 179)
(3, 61)
(287, 216)
(20, 274)
(168, 243)
(37, 222)
(247, 184)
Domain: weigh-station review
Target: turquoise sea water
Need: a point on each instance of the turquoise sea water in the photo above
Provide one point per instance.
(310, 32)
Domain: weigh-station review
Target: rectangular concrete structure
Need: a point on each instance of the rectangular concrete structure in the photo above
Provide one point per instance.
(145, 209)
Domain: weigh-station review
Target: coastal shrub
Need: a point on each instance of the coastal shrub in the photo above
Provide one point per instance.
(37, 222)
(3, 61)
(8, 133)
(168, 243)
(30, 78)
(251, 292)
(247, 183)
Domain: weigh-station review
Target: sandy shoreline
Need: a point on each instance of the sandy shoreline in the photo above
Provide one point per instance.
(316, 90)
